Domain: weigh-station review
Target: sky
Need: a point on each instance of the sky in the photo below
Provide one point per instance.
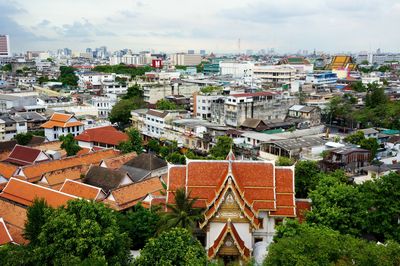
(214, 25)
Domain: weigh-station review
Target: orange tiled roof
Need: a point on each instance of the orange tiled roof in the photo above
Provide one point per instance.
(260, 186)
(127, 196)
(5, 236)
(61, 117)
(33, 173)
(7, 170)
(81, 190)
(24, 193)
(15, 218)
(285, 198)
(229, 228)
(118, 161)
(55, 179)
(107, 135)
(83, 151)
(51, 124)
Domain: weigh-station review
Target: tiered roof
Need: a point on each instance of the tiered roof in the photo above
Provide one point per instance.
(23, 155)
(81, 190)
(61, 120)
(230, 229)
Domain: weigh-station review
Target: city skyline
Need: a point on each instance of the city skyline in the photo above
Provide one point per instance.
(170, 26)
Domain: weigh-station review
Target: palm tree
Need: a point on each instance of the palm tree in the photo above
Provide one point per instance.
(181, 213)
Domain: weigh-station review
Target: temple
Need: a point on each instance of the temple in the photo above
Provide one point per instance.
(242, 202)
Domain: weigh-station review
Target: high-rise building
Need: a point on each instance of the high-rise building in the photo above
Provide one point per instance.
(5, 46)
(190, 52)
(203, 52)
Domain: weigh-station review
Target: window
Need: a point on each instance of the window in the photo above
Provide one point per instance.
(21, 124)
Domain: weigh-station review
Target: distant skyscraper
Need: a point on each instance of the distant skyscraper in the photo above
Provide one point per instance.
(190, 51)
(202, 52)
(5, 46)
(89, 50)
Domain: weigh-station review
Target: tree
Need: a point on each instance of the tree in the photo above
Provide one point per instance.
(133, 92)
(358, 138)
(134, 143)
(222, 148)
(67, 76)
(69, 144)
(81, 230)
(284, 161)
(375, 96)
(174, 247)
(358, 87)
(23, 138)
(6, 68)
(176, 158)
(302, 244)
(166, 105)
(140, 224)
(36, 218)
(337, 205)
(210, 89)
(182, 212)
(121, 111)
(306, 177)
(381, 202)
(154, 145)
(355, 138)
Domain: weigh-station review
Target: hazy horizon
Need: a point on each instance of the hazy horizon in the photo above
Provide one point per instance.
(174, 26)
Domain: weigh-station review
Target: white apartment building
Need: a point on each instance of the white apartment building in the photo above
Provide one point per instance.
(202, 105)
(236, 69)
(154, 123)
(274, 74)
(154, 92)
(104, 104)
(93, 79)
(62, 124)
(182, 59)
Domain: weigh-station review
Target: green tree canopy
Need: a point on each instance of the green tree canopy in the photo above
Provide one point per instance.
(67, 76)
(134, 143)
(154, 146)
(307, 177)
(164, 104)
(222, 147)
(82, 230)
(36, 218)
(121, 111)
(140, 224)
(284, 161)
(174, 247)
(301, 244)
(23, 138)
(133, 92)
(69, 144)
(182, 212)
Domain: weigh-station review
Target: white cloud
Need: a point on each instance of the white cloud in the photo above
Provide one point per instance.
(175, 25)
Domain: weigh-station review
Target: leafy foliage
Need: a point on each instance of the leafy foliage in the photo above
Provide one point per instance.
(182, 212)
(284, 161)
(176, 158)
(6, 68)
(123, 69)
(36, 218)
(307, 176)
(121, 111)
(175, 247)
(82, 230)
(133, 144)
(69, 144)
(154, 145)
(140, 224)
(133, 92)
(302, 244)
(222, 147)
(67, 76)
(23, 138)
(210, 89)
(358, 138)
(166, 105)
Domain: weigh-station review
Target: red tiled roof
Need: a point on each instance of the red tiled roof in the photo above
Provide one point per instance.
(7, 170)
(285, 199)
(24, 193)
(107, 135)
(302, 207)
(81, 190)
(5, 236)
(23, 155)
(55, 179)
(34, 172)
(229, 228)
(127, 196)
(14, 217)
(260, 186)
(60, 120)
(118, 161)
